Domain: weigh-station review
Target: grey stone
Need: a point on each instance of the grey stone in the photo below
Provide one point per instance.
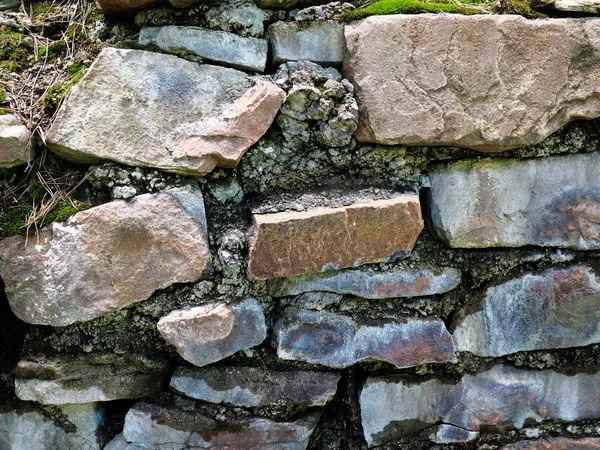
(337, 341)
(586, 6)
(367, 283)
(320, 42)
(29, 429)
(15, 140)
(501, 397)
(485, 82)
(205, 334)
(238, 16)
(90, 378)
(221, 47)
(106, 258)
(252, 387)
(551, 202)
(154, 110)
(7, 5)
(171, 428)
(557, 308)
(447, 434)
(330, 11)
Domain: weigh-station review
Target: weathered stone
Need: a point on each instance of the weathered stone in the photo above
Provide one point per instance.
(7, 5)
(319, 42)
(209, 333)
(330, 11)
(586, 6)
(367, 283)
(550, 202)
(222, 47)
(106, 258)
(338, 341)
(503, 396)
(173, 428)
(559, 443)
(154, 110)
(29, 429)
(15, 142)
(554, 309)
(123, 7)
(319, 239)
(248, 386)
(238, 16)
(484, 82)
(89, 378)
(447, 434)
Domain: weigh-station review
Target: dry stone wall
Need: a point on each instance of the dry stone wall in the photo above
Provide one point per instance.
(296, 241)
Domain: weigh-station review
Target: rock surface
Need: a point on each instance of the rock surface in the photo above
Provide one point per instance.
(554, 309)
(320, 42)
(484, 82)
(88, 378)
(553, 201)
(447, 434)
(173, 428)
(205, 334)
(559, 443)
(221, 47)
(29, 429)
(123, 7)
(242, 17)
(153, 110)
(586, 6)
(337, 341)
(319, 239)
(106, 258)
(252, 387)
(500, 397)
(15, 145)
(367, 283)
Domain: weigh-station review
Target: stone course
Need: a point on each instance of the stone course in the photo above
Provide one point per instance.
(15, 142)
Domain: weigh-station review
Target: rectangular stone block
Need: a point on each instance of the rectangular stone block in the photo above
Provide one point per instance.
(295, 243)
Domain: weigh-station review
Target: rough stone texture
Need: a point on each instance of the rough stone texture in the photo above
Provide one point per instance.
(29, 429)
(502, 396)
(337, 341)
(222, 47)
(367, 283)
(88, 378)
(106, 258)
(330, 11)
(320, 42)
(553, 201)
(238, 16)
(209, 333)
(319, 105)
(586, 6)
(447, 434)
(15, 148)
(154, 110)
(554, 309)
(173, 428)
(559, 443)
(251, 387)
(123, 7)
(484, 82)
(319, 239)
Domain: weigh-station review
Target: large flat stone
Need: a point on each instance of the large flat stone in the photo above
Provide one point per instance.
(154, 110)
(30, 429)
(550, 202)
(319, 239)
(106, 258)
(559, 443)
(170, 428)
(393, 408)
(320, 42)
(558, 308)
(252, 387)
(484, 82)
(337, 341)
(15, 142)
(586, 6)
(90, 378)
(221, 47)
(367, 283)
(205, 334)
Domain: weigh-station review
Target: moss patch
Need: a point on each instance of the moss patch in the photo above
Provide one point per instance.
(13, 54)
(13, 220)
(53, 51)
(385, 7)
(56, 94)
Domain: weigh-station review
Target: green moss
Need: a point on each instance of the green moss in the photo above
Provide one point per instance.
(55, 94)
(2, 94)
(76, 68)
(520, 7)
(54, 51)
(13, 221)
(385, 7)
(43, 8)
(63, 211)
(13, 54)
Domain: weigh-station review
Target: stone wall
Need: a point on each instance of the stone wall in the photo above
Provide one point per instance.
(311, 233)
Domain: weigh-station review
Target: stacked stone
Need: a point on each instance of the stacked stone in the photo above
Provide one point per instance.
(302, 272)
